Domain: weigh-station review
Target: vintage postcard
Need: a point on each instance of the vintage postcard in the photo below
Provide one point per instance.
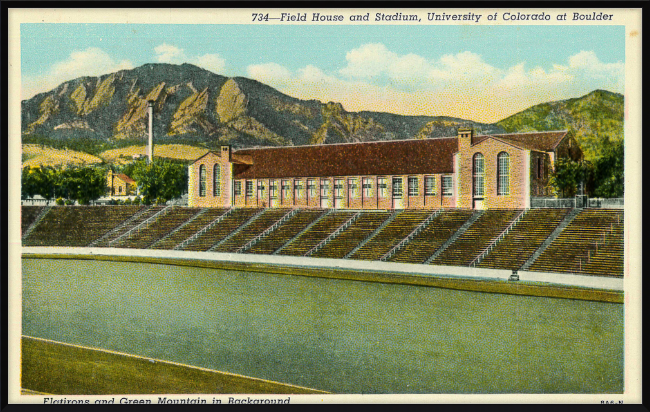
(271, 206)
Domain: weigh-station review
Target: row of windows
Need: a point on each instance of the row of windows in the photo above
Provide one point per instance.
(430, 186)
(503, 174)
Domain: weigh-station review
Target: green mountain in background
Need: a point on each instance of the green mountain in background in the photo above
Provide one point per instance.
(596, 120)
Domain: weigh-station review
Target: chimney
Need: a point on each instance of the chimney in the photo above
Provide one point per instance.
(150, 147)
(225, 153)
(465, 138)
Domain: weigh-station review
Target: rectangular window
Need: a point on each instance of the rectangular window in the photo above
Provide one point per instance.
(353, 188)
(398, 191)
(237, 188)
(367, 187)
(249, 188)
(120, 189)
(382, 186)
(338, 188)
(311, 187)
(413, 186)
(273, 187)
(447, 187)
(286, 189)
(297, 188)
(260, 188)
(325, 190)
(430, 186)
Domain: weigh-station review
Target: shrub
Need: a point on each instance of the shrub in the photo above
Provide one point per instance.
(69, 202)
(137, 201)
(59, 201)
(127, 201)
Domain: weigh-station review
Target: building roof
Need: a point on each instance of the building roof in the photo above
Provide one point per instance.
(350, 159)
(125, 178)
(539, 141)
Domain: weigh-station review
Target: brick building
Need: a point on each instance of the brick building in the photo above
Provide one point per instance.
(464, 171)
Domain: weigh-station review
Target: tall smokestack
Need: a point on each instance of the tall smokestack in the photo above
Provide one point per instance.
(150, 147)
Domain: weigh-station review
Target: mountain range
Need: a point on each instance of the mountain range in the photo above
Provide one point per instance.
(200, 108)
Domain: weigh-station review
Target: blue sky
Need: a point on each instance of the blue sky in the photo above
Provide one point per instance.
(479, 72)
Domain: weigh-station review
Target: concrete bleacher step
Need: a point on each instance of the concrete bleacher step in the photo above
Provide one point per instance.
(496, 240)
(239, 229)
(386, 222)
(410, 236)
(565, 222)
(308, 227)
(475, 216)
(106, 236)
(181, 226)
(36, 221)
(204, 229)
(268, 231)
(334, 234)
(141, 225)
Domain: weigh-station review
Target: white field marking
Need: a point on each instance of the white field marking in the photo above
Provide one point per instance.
(462, 272)
(153, 360)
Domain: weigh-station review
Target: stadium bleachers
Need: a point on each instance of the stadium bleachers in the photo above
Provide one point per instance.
(266, 219)
(422, 246)
(316, 234)
(479, 235)
(189, 229)
(607, 259)
(524, 239)
(133, 221)
(142, 238)
(285, 232)
(222, 229)
(28, 215)
(348, 239)
(592, 243)
(593, 233)
(77, 225)
(391, 235)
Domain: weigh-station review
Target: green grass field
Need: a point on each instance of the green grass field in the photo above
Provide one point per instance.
(62, 369)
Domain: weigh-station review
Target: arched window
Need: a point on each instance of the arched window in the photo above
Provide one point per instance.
(216, 180)
(478, 175)
(503, 174)
(203, 180)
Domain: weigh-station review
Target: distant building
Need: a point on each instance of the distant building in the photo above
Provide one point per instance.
(465, 171)
(120, 184)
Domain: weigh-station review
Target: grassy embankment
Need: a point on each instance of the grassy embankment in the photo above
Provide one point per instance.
(475, 285)
(72, 370)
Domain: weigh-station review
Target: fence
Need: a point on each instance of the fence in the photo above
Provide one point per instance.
(573, 202)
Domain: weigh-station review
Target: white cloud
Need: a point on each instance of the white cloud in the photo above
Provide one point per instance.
(167, 53)
(89, 62)
(460, 85)
(269, 72)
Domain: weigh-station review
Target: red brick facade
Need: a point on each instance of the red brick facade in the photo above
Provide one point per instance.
(414, 174)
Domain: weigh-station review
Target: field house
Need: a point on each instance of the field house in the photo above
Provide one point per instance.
(461, 201)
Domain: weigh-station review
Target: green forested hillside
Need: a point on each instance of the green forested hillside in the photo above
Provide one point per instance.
(596, 120)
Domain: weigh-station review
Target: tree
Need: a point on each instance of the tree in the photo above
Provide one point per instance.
(609, 171)
(565, 179)
(160, 181)
(83, 184)
(38, 181)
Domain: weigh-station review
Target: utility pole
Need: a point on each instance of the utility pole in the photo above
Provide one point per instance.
(150, 147)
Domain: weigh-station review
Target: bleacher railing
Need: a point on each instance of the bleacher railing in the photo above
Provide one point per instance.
(203, 230)
(334, 234)
(410, 236)
(270, 229)
(142, 225)
(494, 242)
